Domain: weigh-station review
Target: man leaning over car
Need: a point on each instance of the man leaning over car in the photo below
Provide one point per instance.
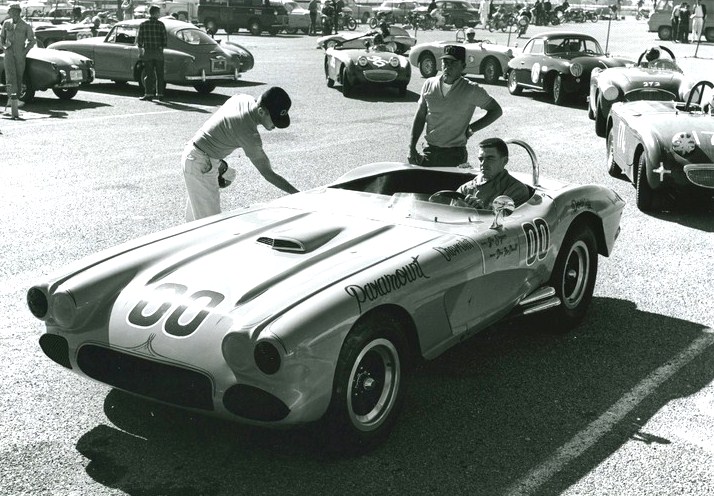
(446, 106)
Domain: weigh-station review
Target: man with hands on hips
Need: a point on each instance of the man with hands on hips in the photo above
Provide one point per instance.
(446, 107)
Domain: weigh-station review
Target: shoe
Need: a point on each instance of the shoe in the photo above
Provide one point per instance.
(147, 98)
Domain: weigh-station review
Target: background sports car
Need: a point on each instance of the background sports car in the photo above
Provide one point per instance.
(62, 72)
(664, 148)
(482, 58)
(46, 35)
(661, 79)
(399, 37)
(192, 58)
(559, 63)
(366, 67)
(312, 307)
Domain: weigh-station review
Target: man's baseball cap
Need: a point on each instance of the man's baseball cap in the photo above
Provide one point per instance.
(454, 52)
(277, 102)
(14, 5)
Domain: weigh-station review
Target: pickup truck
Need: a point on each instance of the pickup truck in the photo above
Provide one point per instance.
(360, 11)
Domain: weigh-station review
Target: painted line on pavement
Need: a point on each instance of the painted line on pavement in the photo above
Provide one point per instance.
(586, 438)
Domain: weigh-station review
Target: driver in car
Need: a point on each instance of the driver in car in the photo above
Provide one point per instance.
(493, 179)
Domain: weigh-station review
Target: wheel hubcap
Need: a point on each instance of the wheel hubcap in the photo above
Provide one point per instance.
(374, 383)
(575, 276)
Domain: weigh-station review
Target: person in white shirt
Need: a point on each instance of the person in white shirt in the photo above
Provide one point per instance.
(699, 12)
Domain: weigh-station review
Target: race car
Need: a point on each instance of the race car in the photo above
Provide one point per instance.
(62, 72)
(659, 79)
(482, 58)
(399, 40)
(666, 149)
(558, 63)
(313, 307)
(373, 65)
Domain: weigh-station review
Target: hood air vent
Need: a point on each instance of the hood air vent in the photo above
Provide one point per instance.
(300, 238)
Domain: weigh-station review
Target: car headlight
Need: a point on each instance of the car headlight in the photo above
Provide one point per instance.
(64, 309)
(267, 357)
(63, 75)
(576, 69)
(394, 62)
(362, 61)
(37, 301)
(610, 92)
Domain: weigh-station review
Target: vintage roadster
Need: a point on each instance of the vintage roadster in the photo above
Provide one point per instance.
(666, 149)
(61, 72)
(399, 40)
(659, 79)
(370, 65)
(313, 307)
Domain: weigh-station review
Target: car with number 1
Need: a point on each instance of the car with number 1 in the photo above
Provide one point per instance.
(313, 308)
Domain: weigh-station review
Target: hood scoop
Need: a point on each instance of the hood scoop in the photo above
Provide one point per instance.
(301, 238)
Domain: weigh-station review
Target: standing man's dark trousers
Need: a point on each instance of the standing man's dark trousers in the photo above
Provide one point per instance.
(153, 73)
(437, 156)
(675, 29)
(313, 23)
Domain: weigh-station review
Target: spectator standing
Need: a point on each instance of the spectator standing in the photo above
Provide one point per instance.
(313, 7)
(431, 7)
(547, 7)
(484, 12)
(445, 107)
(684, 15)
(538, 10)
(328, 12)
(94, 29)
(17, 38)
(699, 12)
(127, 8)
(234, 125)
(152, 41)
(335, 13)
(674, 18)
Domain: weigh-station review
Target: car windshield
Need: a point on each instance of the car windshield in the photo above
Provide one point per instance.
(570, 44)
(194, 36)
(124, 34)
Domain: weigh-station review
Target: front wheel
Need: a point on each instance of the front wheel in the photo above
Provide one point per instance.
(513, 87)
(373, 22)
(427, 66)
(368, 387)
(599, 122)
(612, 168)
(491, 71)
(65, 93)
(558, 91)
(347, 86)
(645, 194)
(664, 33)
(204, 88)
(574, 277)
(351, 24)
(255, 28)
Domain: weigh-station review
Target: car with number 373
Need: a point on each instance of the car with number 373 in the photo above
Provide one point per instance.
(665, 148)
(192, 58)
(313, 307)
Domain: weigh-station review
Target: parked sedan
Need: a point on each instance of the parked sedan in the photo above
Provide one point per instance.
(62, 72)
(192, 58)
(483, 58)
(559, 63)
(660, 79)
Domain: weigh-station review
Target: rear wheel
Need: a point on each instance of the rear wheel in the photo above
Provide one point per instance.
(645, 193)
(254, 27)
(351, 24)
(204, 87)
(709, 35)
(574, 277)
(491, 71)
(65, 93)
(373, 22)
(599, 122)
(427, 65)
(665, 33)
(513, 87)
(368, 387)
(291, 30)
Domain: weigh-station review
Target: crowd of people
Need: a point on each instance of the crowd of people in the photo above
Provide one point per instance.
(686, 20)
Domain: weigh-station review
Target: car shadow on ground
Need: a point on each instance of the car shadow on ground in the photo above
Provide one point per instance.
(49, 107)
(570, 102)
(368, 94)
(695, 215)
(481, 416)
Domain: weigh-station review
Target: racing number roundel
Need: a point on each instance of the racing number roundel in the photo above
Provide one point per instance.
(537, 240)
(535, 72)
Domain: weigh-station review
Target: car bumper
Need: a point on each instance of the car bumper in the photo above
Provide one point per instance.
(214, 77)
(385, 77)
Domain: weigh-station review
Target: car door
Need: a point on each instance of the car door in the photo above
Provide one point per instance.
(117, 55)
(530, 63)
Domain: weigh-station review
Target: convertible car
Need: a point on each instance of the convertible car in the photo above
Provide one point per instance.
(62, 72)
(482, 58)
(368, 66)
(399, 39)
(660, 79)
(559, 63)
(48, 34)
(329, 297)
(664, 148)
(192, 58)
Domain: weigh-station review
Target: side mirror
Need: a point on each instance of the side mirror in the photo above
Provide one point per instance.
(503, 206)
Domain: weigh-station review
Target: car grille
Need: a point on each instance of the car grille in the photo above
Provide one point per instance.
(700, 174)
(651, 95)
(380, 75)
(161, 381)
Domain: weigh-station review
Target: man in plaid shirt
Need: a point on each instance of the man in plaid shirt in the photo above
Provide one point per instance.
(152, 41)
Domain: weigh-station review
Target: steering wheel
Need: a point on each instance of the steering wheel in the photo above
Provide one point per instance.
(704, 84)
(660, 47)
(449, 197)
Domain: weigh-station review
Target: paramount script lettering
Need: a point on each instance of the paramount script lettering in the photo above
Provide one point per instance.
(387, 283)
(451, 251)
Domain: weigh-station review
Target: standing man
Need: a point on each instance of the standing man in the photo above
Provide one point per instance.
(446, 106)
(313, 7)
(699, 12)
(484, 11)
(127, 8)
(17, 39)
(675, 23)
(684, 15)
(152, 41)
(233, 126)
